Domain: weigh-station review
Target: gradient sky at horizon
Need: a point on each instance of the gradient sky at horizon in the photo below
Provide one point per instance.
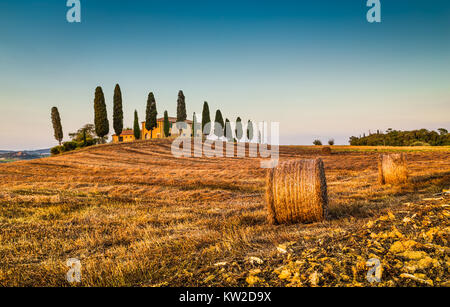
(317, 67)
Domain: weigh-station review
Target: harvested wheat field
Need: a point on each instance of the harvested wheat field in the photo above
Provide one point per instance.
(136, 216)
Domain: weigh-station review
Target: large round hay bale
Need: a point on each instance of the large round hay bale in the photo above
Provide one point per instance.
(392, 169)
(296, 192)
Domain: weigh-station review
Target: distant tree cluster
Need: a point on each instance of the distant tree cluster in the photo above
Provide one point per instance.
(422, 137)
(318, 142)
(84, 137)
(221, 128)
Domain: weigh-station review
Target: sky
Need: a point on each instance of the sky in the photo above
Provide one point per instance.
(316, 67)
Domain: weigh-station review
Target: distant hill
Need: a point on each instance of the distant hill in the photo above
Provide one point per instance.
(10, 156)
(41, 152)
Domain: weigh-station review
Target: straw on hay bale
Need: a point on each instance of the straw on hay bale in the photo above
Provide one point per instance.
(392, 169)
(297, 192)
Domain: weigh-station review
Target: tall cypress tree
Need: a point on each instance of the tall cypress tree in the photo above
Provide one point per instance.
(57, 128)
(117, 111)
(218, 124)
(249, 130)
(166, 124)
(194, 125)
(101, 116)
(181, 107)
(150, 114)
(136, 127)
(150, 100)
(205, 118)
(228, 131)
(239, 130)
(153, 117)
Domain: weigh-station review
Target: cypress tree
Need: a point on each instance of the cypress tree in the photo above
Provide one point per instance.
(249, 130)
(194, 125)
(150, 114)
(205, 118)
(239, 130)
(181, 108)
(153, 117)
(166, 124)
(136, 128)
(57, 128)
(150, 100)
(117, 111)
(228, 131)
(218, 124)
(101, 117)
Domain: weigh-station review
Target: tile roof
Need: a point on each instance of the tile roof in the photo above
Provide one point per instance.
(126, 132)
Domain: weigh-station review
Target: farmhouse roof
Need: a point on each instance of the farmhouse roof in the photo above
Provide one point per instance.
(126, 132)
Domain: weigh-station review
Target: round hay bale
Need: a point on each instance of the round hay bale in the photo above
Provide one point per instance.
(296, 192)
(392, 169)
(326, 150)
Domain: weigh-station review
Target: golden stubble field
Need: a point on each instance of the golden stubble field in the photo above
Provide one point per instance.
(136, 216)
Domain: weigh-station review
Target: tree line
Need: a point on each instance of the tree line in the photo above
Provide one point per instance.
(97, 134)
(422, 137)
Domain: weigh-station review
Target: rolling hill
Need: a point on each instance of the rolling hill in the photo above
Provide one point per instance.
(136, 216)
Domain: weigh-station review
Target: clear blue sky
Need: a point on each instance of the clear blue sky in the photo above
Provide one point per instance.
(317, 67)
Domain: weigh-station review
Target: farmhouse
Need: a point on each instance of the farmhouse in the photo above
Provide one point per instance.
(158, 132)
(125, 136)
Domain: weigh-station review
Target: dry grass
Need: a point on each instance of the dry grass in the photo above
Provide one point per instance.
(297, 192)
(326, 150)
(134, 215)
(392, 169)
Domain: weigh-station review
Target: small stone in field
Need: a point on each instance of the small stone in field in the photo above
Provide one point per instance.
(256, 260)
(220, 263)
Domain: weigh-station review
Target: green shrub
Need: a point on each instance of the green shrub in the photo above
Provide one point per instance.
(56, 150)
(86, 143)
(69, 146)
(72, 145)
